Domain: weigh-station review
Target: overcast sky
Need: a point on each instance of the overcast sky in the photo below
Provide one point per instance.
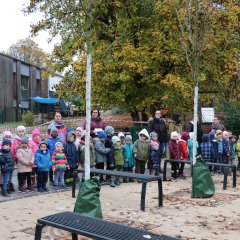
(15, 26)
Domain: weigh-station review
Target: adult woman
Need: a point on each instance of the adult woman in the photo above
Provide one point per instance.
(57, 123)
(97, 123)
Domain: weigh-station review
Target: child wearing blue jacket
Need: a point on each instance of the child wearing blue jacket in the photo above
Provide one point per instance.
(44, 163)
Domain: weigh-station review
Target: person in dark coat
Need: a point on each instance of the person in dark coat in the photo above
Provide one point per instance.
(7, 166)
(158, 125)
(70, 150)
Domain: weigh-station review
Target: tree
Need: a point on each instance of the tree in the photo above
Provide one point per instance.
(138, 59)
(28, 51)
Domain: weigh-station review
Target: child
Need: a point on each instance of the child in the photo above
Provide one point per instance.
(6, 135)
(238, 152)
(174, 152)
(33, 144)
(154, 158)
(109, 130)
(227, 149)
(183, 151)
(59, 165)
(122, 137)
(100, 150)
(118, 159)
(43, 163)
(71, 153)
(51, 141)
(190, 146)
(141, 151)
(233, 141)
(7, 166)
(25, 160)
(217, 149)
(128, 156)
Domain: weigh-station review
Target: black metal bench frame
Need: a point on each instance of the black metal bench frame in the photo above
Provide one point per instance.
(224, 166)
(95, 228)
(143, 177)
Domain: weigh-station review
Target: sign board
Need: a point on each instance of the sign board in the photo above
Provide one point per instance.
(207, 115)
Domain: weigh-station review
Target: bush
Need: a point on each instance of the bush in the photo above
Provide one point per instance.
(28, 118)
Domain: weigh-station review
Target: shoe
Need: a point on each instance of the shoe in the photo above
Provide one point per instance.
(45, 189)
(22, 190)
(40, 189)
(117, 182)
(182, 176)
(5, 194)
(30, 189)
(64, 187)
(55, 187)
(113, 184)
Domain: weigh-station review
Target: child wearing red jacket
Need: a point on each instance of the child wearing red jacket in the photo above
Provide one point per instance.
(183, 151)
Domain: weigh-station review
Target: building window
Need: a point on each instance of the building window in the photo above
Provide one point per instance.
(25, 87)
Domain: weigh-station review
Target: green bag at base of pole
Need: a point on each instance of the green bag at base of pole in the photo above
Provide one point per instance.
(202, 183)
(88, 202)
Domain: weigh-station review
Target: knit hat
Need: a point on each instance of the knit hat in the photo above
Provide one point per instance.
(185, 136)
(35, 132)
(24, 140)
(59, 143)
(54, 129)
(174, 134)
(82, 131)
(21, 128)
(6, 142)
(7, 134)
(205, 137)
(121, 134)
(41, 143)
(128, 138)
(115, 139)
(153, 134)
(109, 130)
(218, 133)
(102, 135)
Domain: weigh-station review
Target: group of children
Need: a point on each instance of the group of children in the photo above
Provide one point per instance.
(36, 159)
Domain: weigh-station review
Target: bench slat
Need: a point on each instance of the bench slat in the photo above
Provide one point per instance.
(97, 228)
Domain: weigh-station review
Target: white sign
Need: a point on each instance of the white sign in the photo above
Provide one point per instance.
(207, 115)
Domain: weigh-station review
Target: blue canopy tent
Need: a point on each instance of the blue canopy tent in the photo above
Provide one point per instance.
(48, 101)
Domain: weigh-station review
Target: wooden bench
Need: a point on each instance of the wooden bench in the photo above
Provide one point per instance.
(95, 228)
(143, 177)
(222, 165)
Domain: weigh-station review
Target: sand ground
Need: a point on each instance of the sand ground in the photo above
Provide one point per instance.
(181, 216)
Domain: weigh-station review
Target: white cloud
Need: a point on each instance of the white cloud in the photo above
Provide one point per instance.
(16, 26)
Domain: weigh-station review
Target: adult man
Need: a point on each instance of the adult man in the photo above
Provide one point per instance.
(157, 124)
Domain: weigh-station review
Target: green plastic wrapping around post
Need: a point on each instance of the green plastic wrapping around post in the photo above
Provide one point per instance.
(88, 202)
(202, 183)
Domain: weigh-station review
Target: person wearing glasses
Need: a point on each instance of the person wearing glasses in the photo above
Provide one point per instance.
(97, 123)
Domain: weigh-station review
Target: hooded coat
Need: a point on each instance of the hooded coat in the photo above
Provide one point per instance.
(142, 148)
(206, 148)
(25, 157)
(43, 159)
(6, 161)
(100, 150)
(70, 150)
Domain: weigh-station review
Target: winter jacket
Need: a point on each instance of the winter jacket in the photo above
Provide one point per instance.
(25, 157)
(81, 151)
(95, 123)
(173, 149)
(70, 150)
(100, 150)
(158, 125)
(6, 161)
(183, 149)
(59, 161)
(128, 155)
(174, 127)
(217, 156)
(51, 144)
(118, 156)
(141, 148)
(238, 148)
(62, 130)
(43, 160)
(110, 155)
(14, 147)
(206, 148)
(190, 148)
